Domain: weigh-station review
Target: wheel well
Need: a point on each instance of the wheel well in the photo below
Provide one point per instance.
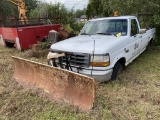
(122, 61)
(9, 44)
(151, 41)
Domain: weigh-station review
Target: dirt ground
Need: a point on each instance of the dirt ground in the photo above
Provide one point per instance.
(134, 95)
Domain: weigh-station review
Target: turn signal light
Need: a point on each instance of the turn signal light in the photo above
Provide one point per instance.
(99, 64)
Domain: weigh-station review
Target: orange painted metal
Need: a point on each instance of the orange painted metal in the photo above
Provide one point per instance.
(58, 84)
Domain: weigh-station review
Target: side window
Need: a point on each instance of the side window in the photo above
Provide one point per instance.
(134, 27)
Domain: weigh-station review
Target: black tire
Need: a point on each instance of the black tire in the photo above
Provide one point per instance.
(118, 68)
(150, 45)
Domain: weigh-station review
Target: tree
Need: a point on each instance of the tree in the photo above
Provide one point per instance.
(79, 13)
(31, 4)
(99, 8)
(40, 11)
(89, 11)
(7, 9)
(52, 11)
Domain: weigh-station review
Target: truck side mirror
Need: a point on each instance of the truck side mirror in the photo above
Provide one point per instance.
(142, 31)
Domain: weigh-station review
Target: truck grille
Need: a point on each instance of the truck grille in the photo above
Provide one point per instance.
(77, 59)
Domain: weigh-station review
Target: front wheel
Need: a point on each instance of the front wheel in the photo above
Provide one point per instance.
(118, 68)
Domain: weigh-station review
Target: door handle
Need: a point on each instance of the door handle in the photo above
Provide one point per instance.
(126, 50)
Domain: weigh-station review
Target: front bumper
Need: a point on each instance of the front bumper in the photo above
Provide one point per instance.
(98, 75)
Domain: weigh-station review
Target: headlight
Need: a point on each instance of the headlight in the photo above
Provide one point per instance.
(100, 60)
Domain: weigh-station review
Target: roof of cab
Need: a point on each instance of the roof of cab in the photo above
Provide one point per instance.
(117, 17)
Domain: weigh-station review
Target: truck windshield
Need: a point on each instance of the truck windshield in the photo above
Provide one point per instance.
(106, 27)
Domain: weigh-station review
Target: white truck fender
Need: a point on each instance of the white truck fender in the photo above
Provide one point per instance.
(117, 59)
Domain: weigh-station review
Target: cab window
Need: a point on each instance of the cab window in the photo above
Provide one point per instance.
(134, 27)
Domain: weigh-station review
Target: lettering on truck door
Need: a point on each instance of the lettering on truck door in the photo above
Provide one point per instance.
(136, 38)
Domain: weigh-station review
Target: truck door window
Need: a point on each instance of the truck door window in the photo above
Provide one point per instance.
(134, 27)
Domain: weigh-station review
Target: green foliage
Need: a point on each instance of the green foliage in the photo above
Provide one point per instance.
(77, 26)
(79, 13)
(68, 27)
(31, 4)
(74, 27)
(57, 13)
(67, 17)
(8, 10)
(99, 8)
(34, 13)
(107, 7)
(96, 5)
(157, 34)
(41, 11)
(157, 26)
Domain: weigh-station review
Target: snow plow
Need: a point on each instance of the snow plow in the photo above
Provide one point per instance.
(58, 84)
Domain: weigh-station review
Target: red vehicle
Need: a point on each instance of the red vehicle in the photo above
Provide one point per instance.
(24, 37)
(28, 34)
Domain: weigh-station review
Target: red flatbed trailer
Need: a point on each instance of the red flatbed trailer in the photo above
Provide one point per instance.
(24, 37)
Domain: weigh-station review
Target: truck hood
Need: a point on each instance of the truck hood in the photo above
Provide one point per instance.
(85, 44)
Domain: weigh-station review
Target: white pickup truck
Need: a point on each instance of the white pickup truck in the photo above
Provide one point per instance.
(104, 47)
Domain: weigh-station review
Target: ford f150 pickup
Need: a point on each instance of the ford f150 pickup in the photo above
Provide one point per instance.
(103, 47)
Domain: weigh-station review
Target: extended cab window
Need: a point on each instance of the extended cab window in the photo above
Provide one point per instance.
(134, 27)
(106, 27)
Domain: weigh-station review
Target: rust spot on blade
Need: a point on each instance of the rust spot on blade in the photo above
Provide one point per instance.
(57, 83)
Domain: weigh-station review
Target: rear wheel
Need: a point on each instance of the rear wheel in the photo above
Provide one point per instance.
(118, 68)
(149, 46)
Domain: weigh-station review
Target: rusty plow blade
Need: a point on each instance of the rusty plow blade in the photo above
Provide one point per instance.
(58, 84)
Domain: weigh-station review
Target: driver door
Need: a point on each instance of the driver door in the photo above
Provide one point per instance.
(136, 38)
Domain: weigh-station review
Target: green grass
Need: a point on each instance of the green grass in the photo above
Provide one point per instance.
(134, 96)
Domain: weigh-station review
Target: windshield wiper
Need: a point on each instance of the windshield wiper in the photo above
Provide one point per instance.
(85, 34)
(102, 33)
(105, 34)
